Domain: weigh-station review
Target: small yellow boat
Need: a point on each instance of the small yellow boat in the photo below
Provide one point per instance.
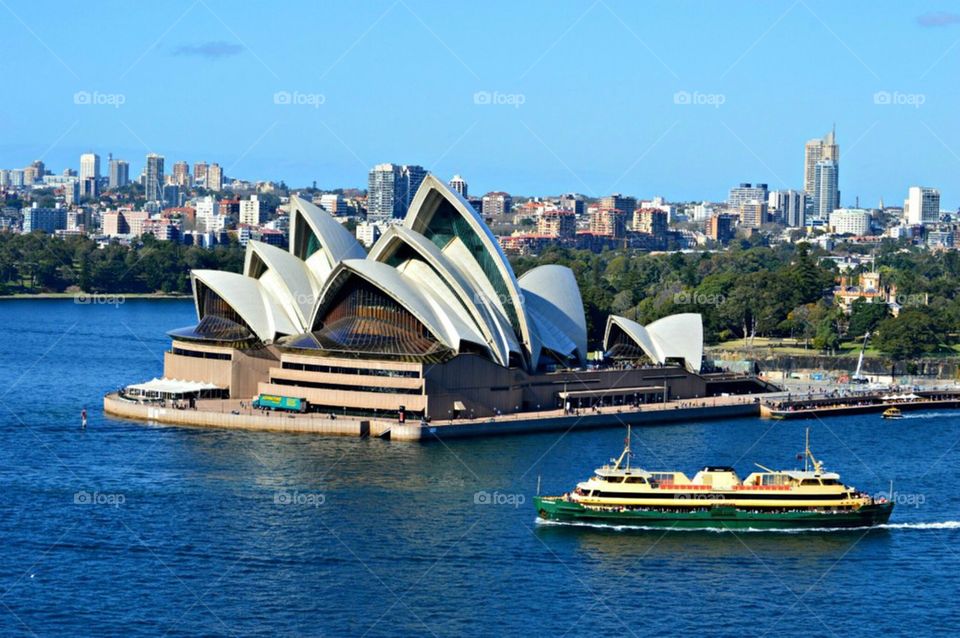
(892, 413)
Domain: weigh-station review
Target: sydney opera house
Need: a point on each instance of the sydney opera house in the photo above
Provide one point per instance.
(433, 321)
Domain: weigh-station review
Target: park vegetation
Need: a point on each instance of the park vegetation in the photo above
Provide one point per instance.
(745, 292)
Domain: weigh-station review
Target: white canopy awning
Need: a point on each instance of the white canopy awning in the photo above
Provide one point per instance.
(171, 386)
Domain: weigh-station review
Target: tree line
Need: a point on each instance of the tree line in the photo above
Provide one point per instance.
(750, 291)
(36, 262)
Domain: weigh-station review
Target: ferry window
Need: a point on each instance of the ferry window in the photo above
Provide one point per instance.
(831, 482)
(636, 479)
(662, 478)
(809, 482)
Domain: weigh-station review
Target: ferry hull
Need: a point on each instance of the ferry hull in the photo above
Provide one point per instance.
(556, 509)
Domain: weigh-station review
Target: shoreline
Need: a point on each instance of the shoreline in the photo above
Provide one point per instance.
(93, 295)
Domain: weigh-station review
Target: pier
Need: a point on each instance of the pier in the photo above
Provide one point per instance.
(857, 402)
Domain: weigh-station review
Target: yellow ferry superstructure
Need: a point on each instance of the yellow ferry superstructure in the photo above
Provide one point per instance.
(617, 490)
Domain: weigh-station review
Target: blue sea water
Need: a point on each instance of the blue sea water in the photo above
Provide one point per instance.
(126, 529)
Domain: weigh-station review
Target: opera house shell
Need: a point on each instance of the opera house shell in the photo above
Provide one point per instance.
(433, 321)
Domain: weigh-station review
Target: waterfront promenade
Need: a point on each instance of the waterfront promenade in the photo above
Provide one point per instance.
(229, 413)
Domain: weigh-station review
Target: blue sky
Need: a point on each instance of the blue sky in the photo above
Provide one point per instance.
(583, 96)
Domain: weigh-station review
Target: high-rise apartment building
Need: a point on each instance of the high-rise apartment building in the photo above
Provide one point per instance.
(561, 224)
(574, 202)
(817, 150)
(826, 195)
(753, 213)
(625, 205)
(153, 178)
(791, 208)
(382, 192)
(215, 178)
(721, 228)
(200, 173)
(922, 206)
(89, 170)
(119, 174)
(747, 192)
(496, 203)
(250, 211)
(608, 222)
(390, 189)
(181, 174)
(652, 221)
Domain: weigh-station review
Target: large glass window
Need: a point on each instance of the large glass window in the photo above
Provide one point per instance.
(220, 322)
(447, 223)
(622, 346)
(363, 319)
(307, 242)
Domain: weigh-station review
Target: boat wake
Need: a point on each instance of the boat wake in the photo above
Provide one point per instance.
(938, 525)
(927, 415)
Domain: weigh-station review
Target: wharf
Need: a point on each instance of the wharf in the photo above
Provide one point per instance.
(807, 407)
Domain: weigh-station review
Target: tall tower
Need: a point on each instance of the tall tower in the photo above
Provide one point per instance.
(825, 148)
(154, 178)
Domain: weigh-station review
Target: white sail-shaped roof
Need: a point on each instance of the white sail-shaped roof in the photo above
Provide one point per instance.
(436, 315)
(680, 337)
(552, 292)
(445, 218)
(334, 243)
(247, 297)
(673, 337)
(287, 279)
(488, 319)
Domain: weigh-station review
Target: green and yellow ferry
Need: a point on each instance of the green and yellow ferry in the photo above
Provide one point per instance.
(715, 497)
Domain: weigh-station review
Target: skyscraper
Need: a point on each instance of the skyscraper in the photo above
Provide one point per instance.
(460, 185)
(922, 206)
(119, 174)
(41, 169)
(816, 150)
(390, 189)
(215, 177)
(826, 197)
(200, 173)
(153, 182)
(89, 168)
(181, 174)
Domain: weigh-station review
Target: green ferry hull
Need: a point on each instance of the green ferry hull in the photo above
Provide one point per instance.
(555, 509)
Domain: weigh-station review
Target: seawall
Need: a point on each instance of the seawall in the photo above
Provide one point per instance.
(499, 427)
(275, 422)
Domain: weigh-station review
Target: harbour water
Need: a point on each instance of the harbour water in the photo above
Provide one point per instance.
(128, 529)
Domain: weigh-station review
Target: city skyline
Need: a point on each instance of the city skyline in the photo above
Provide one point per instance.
(536, 115)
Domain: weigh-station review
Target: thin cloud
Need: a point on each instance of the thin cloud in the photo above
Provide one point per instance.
(938, 19)
(209, 50)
